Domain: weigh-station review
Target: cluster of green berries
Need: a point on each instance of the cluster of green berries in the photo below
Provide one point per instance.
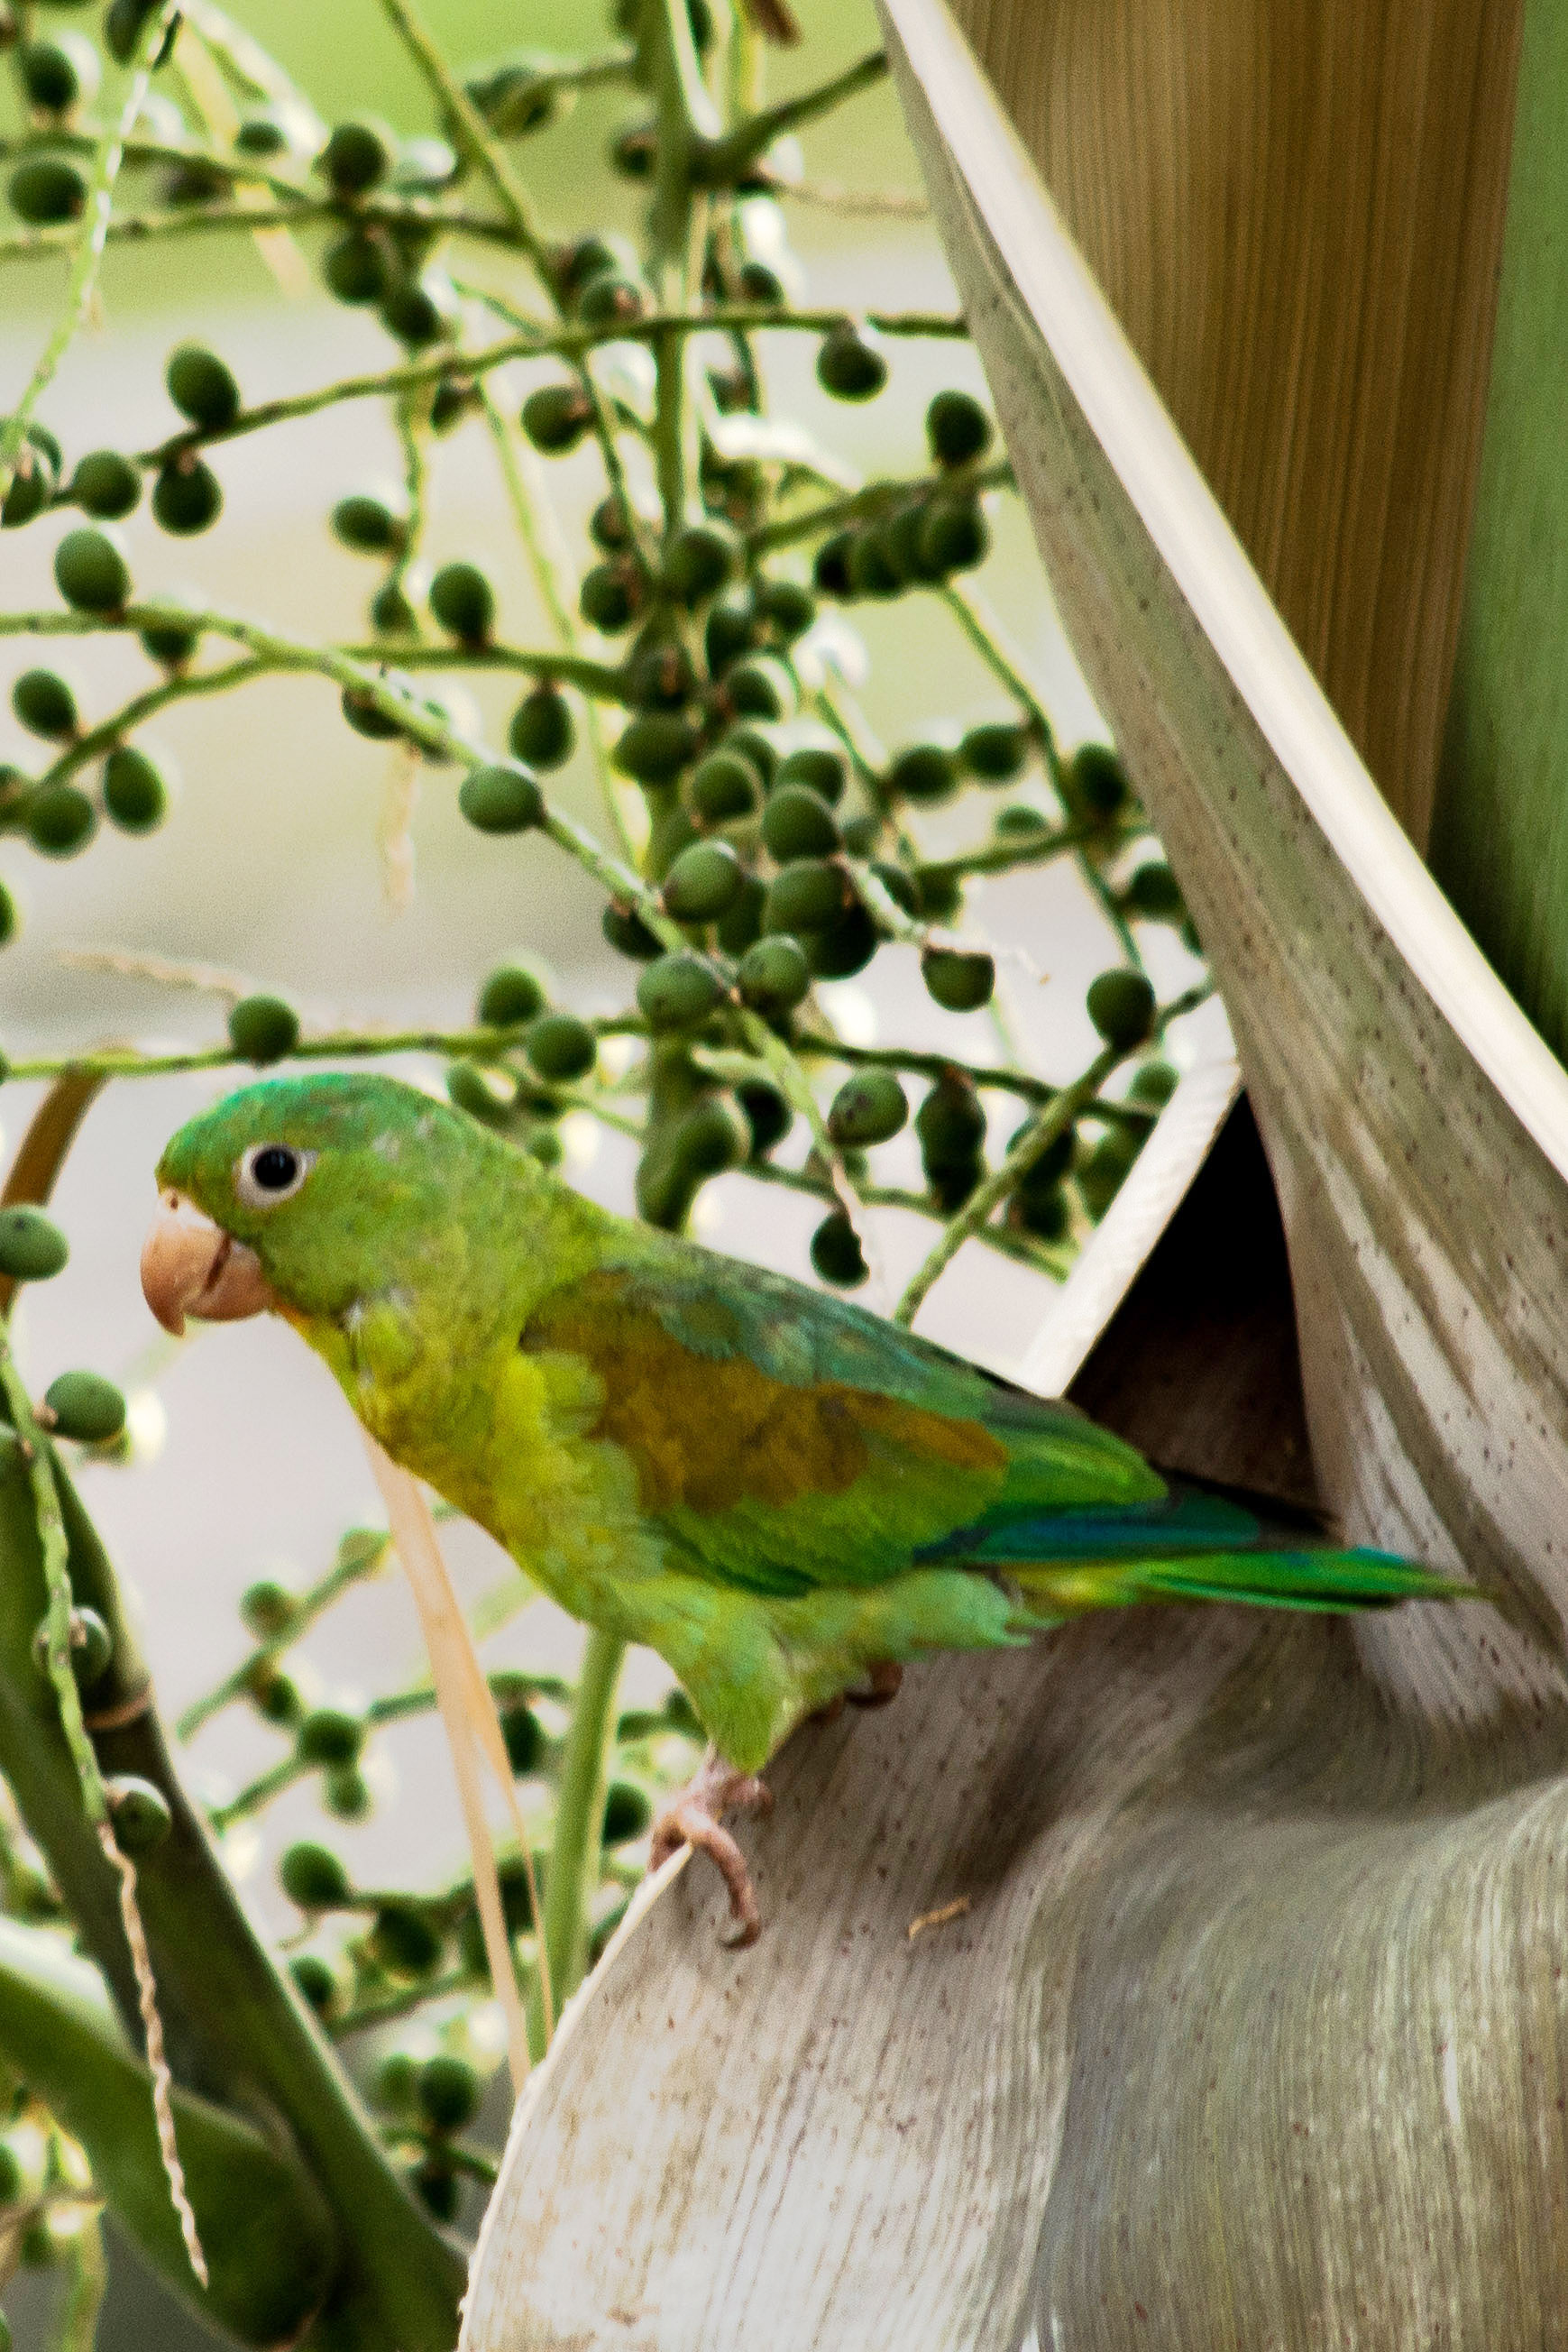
(82, 1406)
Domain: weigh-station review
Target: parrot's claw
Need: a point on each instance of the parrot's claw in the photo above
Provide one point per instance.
(695, 1818)
(882, 1684)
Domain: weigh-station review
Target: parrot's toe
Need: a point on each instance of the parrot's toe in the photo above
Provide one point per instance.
(882, 1684)
(695, 1818)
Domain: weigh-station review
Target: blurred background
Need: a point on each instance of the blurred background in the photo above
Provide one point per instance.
(270, 867)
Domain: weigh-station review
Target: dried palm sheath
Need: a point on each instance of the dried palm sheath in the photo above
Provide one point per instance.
(1245, 2021)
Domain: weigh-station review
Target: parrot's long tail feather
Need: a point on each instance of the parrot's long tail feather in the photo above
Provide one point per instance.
(1195, 1543)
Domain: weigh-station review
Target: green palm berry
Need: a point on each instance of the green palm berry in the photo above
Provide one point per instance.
(797, 823)
(438, 2188)
(89, 1646)
(262, 1029)
(658, 674)
(447, 2092)
(923, 772)
(598, 255)
(729, 633)
(187, 497)
(759, 745)
(32, 1246)
(555, 418)
(831, 573)
(140, 1813)
(60, 820)
(713, 1136)
(501, 798)
(60, 74)
(821, 768)
(609, 526)
(612, 300)
(277, 1698)
(1019, 822)
(655, 746)
(358, 156)
(845, 948)
(452, 401)
(201, 387)
(941, 895)
(870, 1107)
(767, 1115)
(316, 1982)
(950, 1124)
(807, 896)
(609, 597)
(10, 917)
(995, 752)
(420, 311)
(757, 283)
(697, 563)
(957, 428)
(36, 479)
(955, 536)
(312, 1877)
(741, 925)
(542, 732)
(106, 484)
(346, 1792)
(725, 788)
(167, 642)
(1097, 779)
(871, 570)
(524, 1738)
(267, 1607)
(1154, 894)
(331, 1734)
(634, 152)
(369, 525)
(957, 980)
(1121, 1007)
(628, 934)
(393, 614)
(787, 606)
(560, 1047)
(354, 267)
(406, 1937)
(123, 27)
(1103, 1174)
(1046, 1173)
(86, 1407)
(266, 132)
(898, 543)
(46, 189)
(850, 363)
(463, 602)
(45, 706)
(486, 1094)
(512, 994)
(836, 1253)
(862, 835)
(702, 882)
(627, 1813)
(1047, 1214)
(759, 687)
(365, 713)
(678, 990)
(517, 1895)
(90, 570)
(1154, 1082)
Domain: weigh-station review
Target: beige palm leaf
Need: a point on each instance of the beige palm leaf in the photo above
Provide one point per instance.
(1195, 1979)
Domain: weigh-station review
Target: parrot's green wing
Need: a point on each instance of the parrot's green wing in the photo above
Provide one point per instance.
(785, 1441)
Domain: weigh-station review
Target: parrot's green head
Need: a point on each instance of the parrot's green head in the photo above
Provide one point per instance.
(314, 1194)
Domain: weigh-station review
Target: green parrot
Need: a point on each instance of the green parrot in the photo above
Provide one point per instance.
(784, 1495)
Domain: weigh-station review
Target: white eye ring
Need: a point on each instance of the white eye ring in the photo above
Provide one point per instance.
(256, 1171)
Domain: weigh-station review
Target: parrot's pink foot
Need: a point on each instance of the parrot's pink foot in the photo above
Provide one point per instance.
(883, 1681)
(695, 1818)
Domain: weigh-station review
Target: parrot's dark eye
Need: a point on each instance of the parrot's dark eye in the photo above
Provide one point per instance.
(271, 1172)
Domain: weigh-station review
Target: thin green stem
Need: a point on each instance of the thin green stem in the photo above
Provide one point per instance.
(1023, 849)
(171, 153)
(337, 1046)
(91, 236)
(87, 2280)
(573, 1871)
(719, 162)
(472, 133)
(260, 1791)
(365, 1558)
(1039, 1255)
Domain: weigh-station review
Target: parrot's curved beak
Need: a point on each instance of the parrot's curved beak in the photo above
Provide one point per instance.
(189, 1266)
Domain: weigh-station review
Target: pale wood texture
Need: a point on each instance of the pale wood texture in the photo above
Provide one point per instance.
(1252, 2030)
(1296, 210)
